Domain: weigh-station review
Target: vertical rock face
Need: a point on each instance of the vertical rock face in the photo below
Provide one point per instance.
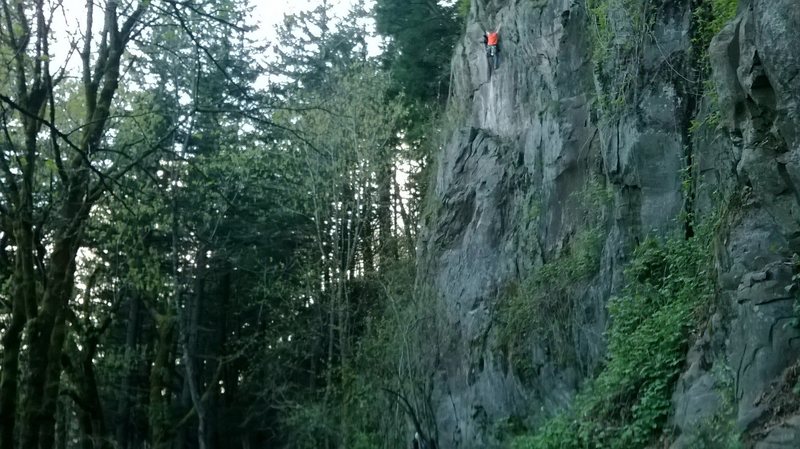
(756, 64)
(558, 119)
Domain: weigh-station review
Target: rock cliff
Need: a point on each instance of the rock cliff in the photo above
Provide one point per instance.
(608, 122)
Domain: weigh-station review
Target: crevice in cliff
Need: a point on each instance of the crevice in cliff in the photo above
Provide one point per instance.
(690, 174)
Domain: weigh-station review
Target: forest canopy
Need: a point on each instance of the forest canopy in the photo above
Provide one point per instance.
(193, 258)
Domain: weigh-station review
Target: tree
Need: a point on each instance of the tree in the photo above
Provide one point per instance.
(188, 261)
(59, 162)
(47, 234)
(338, 159)
(422, 34)
(314, 44)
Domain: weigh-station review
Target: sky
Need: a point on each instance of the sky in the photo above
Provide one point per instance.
(267, 14)
(270, 13)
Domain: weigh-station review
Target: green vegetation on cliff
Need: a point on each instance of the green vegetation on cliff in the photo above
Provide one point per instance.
(624, 407)
(708, 19)
(543, 305)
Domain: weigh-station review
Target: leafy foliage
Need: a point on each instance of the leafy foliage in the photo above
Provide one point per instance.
(617, 43)
(228, 241)
(628, 402)
(423, 34)
(314, 43)
(708, 19)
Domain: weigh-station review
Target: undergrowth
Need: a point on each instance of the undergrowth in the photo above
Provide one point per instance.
(626, 405)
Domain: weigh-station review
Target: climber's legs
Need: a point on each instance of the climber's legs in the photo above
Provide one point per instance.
(491, 57)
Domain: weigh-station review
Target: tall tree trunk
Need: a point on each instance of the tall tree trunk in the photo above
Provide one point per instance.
(48, 330)
(123, 430)
(160, 383)
(10, 370)
(96, 429)
(62, 430)
(408, 224)
(367, 229)
(367, 241)
(189, 343)
(183, 438)
(53, 380)
(387, 246)
(30, 94)
(193, 345)
(85, 425)
(24, 307)
(223, 416)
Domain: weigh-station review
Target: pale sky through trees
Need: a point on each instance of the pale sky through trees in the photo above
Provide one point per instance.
(267, 14)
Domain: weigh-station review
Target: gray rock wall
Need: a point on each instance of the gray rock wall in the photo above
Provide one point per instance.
(538, 131)
(756, 62)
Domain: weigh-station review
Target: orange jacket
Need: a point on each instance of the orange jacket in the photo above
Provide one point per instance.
(491, 38)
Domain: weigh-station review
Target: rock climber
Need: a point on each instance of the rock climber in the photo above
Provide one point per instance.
(491, 39)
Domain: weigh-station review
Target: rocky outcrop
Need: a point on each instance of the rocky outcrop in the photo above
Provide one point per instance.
(565, 113)
(755, 66)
